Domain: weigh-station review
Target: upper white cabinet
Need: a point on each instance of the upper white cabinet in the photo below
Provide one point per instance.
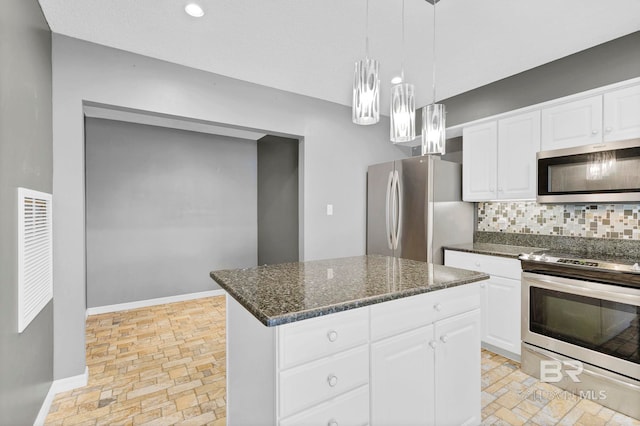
(479, 162)
(518, 143)
(622, 114)
(572, 124)
(499, 158)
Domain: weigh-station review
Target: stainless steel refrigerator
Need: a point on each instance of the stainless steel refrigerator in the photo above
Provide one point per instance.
(398, 208)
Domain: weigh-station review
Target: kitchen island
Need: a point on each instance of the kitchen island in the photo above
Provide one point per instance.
(360, 340)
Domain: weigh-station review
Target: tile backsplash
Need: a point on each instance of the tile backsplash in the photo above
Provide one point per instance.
(615, 221)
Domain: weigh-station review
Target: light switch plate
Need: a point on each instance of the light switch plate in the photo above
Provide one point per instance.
(329, 209)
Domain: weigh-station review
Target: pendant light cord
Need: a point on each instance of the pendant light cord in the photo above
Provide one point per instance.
(402, 52)
(434, 51)
(366, 32)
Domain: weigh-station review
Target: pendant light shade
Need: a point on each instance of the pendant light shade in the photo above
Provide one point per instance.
(365, 107)
(433, 116)
(403, 113)
(366, 92)
(433, 129)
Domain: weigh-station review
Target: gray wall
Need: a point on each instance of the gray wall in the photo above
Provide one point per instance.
(598, 66)
(335, 160)
(164, 208)
(277, 200)
(26, 360)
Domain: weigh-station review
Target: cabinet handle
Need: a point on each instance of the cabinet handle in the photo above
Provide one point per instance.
(332, 335)
(433, 344)
(477, 264)
(332, 380)
(482, 285)
(608, 129)
(594, 132)
(437, 307)
(499, 189)
(332, 422)
(444, 338)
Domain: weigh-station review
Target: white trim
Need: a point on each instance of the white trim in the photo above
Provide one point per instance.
(59, 386)
(153, 302)
(455, 131)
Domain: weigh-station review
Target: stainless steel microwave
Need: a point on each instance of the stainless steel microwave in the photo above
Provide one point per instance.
(603, 173)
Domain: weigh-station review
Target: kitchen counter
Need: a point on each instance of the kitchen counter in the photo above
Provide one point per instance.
(502, 250)
(289, 292)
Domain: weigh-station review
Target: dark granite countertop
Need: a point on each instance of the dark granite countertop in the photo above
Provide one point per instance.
(502, 250)
(289, 292)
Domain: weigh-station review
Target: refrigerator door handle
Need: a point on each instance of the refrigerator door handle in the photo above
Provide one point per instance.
(399, 209)
(387, 211)
(394, 210)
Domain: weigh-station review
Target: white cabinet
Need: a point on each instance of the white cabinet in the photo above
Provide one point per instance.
(414, 360)
(622, 114)
(499, 158)
(457, 353)
(426, 374)
(479, 162)
(518, 143)
(402, 379)
(501, 318)
(500, 296)
(572, 124)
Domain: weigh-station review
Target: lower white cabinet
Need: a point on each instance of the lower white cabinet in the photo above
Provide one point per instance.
(501, 299)
(414, 360)
(457, 355)
(501, 313)
(402, 379)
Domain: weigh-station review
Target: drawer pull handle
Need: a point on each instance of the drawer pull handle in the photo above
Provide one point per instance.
(482, 285)
(477, 264)
(433, 344)
(444, 338)
(437, 307)
(332, 380)
(332, 422)
(332, 335)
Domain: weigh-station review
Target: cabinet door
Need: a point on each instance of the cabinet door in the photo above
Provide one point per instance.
(479, 163)
(572, 124)
(501, 319)
(518, 143)
(402, 379)
(622, 114)
(456, 370)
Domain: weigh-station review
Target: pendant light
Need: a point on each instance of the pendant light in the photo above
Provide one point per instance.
(403, 105)
(433, 116)
(366, 86)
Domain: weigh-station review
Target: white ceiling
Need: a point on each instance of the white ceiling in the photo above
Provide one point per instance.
(309, 46)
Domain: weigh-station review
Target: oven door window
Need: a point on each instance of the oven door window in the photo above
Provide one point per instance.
(601, 325)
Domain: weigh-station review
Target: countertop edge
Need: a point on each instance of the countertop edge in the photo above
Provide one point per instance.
(478, 251)
(340, 307)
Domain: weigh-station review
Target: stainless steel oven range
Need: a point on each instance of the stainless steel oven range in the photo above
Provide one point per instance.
(580, 326)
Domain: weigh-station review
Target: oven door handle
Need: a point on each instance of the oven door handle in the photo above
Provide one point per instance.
(608, 292)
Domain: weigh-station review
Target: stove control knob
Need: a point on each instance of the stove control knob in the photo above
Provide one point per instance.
(543, 257)
(636, 267)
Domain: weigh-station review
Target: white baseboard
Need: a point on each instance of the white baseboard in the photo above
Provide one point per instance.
(153, 302)
(58, 386)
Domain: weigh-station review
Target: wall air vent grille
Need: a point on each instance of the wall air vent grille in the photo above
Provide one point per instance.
(35, 255)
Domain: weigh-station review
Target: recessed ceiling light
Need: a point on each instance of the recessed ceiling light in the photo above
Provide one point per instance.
(397, 79)
(194, 10)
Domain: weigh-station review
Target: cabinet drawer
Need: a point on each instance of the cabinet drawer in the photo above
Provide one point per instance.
(492, 265)
(351, 409)
(397, 316)
(309, 384)
(304, 341)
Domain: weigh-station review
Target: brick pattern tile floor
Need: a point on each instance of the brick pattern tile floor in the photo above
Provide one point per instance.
(165, 365)
(511, 397)
(159, 365)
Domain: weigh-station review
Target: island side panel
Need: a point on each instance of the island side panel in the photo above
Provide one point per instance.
(251, 387)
